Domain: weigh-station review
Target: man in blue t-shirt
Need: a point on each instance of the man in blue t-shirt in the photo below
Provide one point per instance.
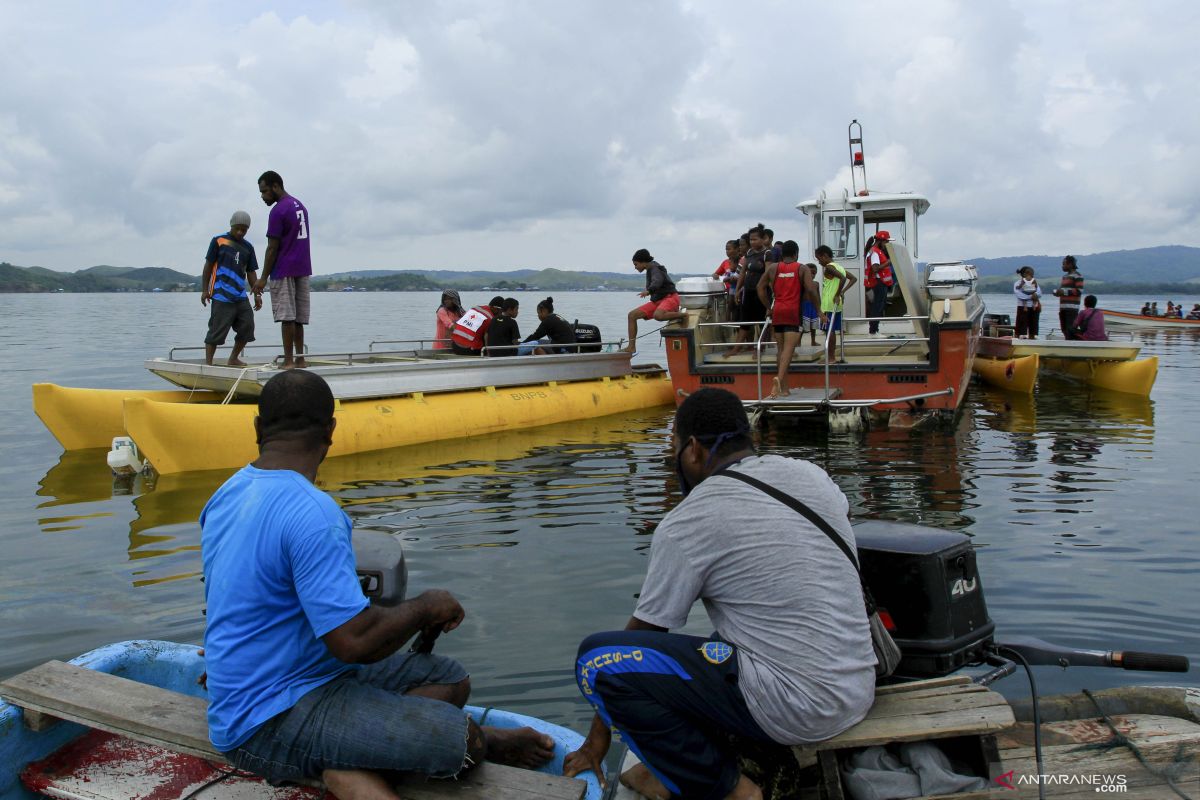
(230, 262)
(288, 627)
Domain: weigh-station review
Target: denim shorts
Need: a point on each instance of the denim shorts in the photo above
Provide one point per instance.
(363, 720)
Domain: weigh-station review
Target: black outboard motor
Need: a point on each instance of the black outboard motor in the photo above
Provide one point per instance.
(925, 580)
(587, 337)
(379, 561)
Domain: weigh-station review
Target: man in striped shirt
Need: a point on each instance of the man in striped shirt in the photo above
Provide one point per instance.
(228, 265)
(1069, 293)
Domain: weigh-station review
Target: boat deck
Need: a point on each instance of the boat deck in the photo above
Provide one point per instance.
(357, 376)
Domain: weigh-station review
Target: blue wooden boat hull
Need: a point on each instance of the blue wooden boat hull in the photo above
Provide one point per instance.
(177, 667)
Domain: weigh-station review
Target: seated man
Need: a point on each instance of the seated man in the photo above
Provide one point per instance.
(1089, 323)
(503, 335)
(1195, 312)
(288, 627)
(791, 660)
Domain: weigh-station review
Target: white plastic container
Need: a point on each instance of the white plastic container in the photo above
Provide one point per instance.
(123, 458)
(698, 292)
(951, 280)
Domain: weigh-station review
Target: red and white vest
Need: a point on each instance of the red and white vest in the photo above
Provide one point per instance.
(471, 327)
(879, 268)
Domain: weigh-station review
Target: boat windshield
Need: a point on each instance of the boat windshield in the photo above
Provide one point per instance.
(841, 235)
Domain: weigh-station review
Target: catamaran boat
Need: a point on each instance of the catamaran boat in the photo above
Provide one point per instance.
(918, 368)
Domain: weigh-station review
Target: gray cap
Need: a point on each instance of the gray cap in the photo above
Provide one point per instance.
(239, 218)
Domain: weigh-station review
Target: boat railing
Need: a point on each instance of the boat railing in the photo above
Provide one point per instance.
(489, 349)
(1113, 336)
(200, 348)
(422, 342)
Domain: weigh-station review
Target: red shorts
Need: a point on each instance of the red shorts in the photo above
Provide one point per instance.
(668, 303)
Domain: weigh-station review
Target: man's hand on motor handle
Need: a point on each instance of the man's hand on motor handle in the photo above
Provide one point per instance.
(442, 611)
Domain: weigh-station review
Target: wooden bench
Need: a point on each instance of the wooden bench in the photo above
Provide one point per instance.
(178, 723)
(953, 709)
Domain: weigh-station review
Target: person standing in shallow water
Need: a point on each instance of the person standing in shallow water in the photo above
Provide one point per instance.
(229, 266)
(287, 265)
(664, 300)
(288, 631)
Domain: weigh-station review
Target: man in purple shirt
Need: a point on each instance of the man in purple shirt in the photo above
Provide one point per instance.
(286, 266)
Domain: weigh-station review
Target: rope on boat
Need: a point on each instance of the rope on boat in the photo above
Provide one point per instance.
(1167, 775)
(195, 792)
(241, 375)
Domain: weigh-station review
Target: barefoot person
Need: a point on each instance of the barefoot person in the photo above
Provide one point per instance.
(286, 266)
(664, 300)
(288, 629)
(228, 266)
(791, 660)
(792, 284)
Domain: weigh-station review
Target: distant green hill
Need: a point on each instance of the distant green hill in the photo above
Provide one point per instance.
(1170, 264)
(95, 279)
(518, 279)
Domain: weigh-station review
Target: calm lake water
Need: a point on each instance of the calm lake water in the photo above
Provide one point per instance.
(1078, 502)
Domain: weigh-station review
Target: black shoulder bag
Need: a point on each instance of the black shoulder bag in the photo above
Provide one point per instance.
(887, 652)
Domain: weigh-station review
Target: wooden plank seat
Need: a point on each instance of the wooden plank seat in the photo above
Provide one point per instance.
(941, 708)
(177, 722)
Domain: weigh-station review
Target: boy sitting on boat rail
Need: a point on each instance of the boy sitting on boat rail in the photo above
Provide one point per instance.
(288, 630)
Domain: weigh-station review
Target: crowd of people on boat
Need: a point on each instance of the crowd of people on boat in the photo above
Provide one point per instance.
(1173, 311)
(1086, 324)
(492, 329)
(308, 680)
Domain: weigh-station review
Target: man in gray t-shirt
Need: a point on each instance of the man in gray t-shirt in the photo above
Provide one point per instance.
(791, 661)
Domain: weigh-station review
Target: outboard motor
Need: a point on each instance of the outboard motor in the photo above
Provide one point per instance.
(926, 581)
(379, 562)
(706, 293)
(587, 337)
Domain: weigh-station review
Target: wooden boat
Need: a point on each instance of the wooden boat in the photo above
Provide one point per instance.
(919, 364)
(1010, 374)
(1112, 365)
(1127, 320)
(148, 737)
(1082, 753)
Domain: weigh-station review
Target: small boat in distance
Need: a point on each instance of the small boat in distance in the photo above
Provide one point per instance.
(1125, 319)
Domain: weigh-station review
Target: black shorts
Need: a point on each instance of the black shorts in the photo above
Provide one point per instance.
(752, 308)
(463, 351)
(223, 316)
(787, 328)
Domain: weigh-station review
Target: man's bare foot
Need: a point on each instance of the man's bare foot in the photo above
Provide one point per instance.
(642, 780)
(236, 362)
(357, 784)
(777, 389)
(287, 364)
(630, 349)
(518, 747)
(301, 363)
(746, 789)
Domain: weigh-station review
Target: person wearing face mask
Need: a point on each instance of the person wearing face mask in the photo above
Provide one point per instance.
(791, 660)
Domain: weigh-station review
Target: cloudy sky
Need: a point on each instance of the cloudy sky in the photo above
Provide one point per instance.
(511, 134)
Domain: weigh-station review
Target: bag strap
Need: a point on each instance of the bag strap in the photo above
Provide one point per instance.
(814, 518)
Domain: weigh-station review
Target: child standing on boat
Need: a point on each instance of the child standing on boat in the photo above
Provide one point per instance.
(230, 262)
(1029, 304)
(790, 281)
(833, 290)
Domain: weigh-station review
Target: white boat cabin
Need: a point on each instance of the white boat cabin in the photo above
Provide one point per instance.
(846, 223)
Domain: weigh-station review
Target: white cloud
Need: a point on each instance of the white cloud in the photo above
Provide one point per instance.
(535, 133)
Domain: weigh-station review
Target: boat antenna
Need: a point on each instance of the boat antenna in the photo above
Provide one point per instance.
(858, 164)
